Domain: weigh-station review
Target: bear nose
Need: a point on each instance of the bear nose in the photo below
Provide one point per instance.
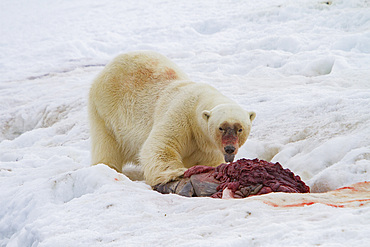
(229, 149)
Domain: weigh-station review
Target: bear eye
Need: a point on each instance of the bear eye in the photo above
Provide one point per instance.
(240, 130)
(221, 129)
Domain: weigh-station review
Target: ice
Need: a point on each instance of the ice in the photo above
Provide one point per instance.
(302, 66)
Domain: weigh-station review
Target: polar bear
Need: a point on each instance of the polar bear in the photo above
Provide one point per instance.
(144, 110)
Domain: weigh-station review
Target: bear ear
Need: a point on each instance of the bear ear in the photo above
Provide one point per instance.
(252, 115)
(206, 114)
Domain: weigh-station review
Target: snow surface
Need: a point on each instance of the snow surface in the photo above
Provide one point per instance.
(303, 66)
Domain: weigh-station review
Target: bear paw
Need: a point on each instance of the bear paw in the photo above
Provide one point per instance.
(165, 176)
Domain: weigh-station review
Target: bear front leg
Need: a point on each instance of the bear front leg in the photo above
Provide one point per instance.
(161, 163)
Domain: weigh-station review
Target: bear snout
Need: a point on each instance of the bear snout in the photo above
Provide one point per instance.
(229, 157)
(229, 154)
(229, 149)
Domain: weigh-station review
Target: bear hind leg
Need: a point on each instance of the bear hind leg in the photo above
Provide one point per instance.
(104, 147)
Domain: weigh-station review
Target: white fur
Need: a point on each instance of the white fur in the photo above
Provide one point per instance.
(144, 110)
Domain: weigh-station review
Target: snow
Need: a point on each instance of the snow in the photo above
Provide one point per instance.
(303, 66)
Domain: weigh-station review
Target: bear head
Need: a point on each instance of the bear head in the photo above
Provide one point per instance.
(229, 126)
